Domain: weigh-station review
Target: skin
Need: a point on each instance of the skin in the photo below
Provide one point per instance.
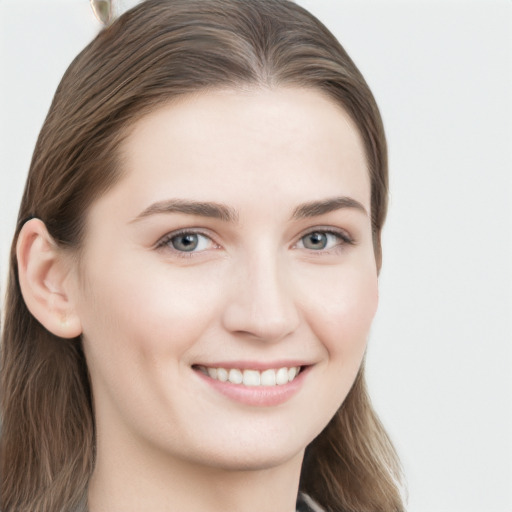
(254, 292)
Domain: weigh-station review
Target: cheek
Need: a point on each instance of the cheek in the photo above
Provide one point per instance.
(138, 330)
(150, 312)
(340, 312)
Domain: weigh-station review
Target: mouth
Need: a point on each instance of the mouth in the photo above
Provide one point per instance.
(268, 378)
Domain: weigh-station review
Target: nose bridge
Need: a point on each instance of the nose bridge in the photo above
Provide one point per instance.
(262, 303)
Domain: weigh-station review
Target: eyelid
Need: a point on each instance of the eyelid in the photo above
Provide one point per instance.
(163, 242)
(342, 234)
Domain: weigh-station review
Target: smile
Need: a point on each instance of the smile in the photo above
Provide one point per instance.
(267, 378)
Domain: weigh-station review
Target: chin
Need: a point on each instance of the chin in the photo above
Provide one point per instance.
(253, 460)
(255, 451)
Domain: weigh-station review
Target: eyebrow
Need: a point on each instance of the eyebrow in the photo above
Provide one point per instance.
(316, 208)
(199, 208)
(228, 214)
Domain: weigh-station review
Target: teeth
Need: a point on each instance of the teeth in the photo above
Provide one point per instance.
(222, 375)
(235, 376)
(282, 376)
(251, 378)
(270, 377)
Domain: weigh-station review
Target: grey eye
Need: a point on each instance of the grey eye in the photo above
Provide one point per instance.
(315, 241)
(187, 242)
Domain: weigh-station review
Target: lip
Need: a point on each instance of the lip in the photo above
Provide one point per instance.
(256, 396)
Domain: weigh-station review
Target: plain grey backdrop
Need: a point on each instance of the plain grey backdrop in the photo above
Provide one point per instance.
(440, 356)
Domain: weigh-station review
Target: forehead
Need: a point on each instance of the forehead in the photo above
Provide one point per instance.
(218, 145)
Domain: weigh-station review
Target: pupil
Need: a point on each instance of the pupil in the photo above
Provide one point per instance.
(316, 241)
(185, 242)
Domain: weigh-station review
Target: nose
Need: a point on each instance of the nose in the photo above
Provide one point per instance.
(262, 303)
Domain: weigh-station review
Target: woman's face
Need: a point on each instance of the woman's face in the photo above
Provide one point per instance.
(236, 246)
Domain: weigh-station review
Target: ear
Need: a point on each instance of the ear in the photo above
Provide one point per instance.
(44, 272)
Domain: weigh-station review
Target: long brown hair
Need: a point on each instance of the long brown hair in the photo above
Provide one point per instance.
(154, 53)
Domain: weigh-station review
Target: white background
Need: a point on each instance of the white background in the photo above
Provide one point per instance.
(440, 356)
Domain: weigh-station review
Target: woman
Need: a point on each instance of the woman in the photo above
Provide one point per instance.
(194, 273)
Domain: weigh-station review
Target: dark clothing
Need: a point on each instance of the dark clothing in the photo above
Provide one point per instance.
(306, 504)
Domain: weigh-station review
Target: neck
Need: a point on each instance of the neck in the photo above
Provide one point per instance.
(134, 479)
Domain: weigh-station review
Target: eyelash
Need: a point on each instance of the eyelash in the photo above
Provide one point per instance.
(164, 243)
(343, 237)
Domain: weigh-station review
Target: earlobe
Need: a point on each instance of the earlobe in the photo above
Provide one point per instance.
(43, 275)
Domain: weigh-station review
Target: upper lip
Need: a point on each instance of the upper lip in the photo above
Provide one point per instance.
(256, 365)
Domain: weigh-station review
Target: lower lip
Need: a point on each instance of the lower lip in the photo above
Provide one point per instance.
(259, 396)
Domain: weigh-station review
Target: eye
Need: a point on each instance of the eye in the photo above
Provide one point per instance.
(187, 242)
(323, 240)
